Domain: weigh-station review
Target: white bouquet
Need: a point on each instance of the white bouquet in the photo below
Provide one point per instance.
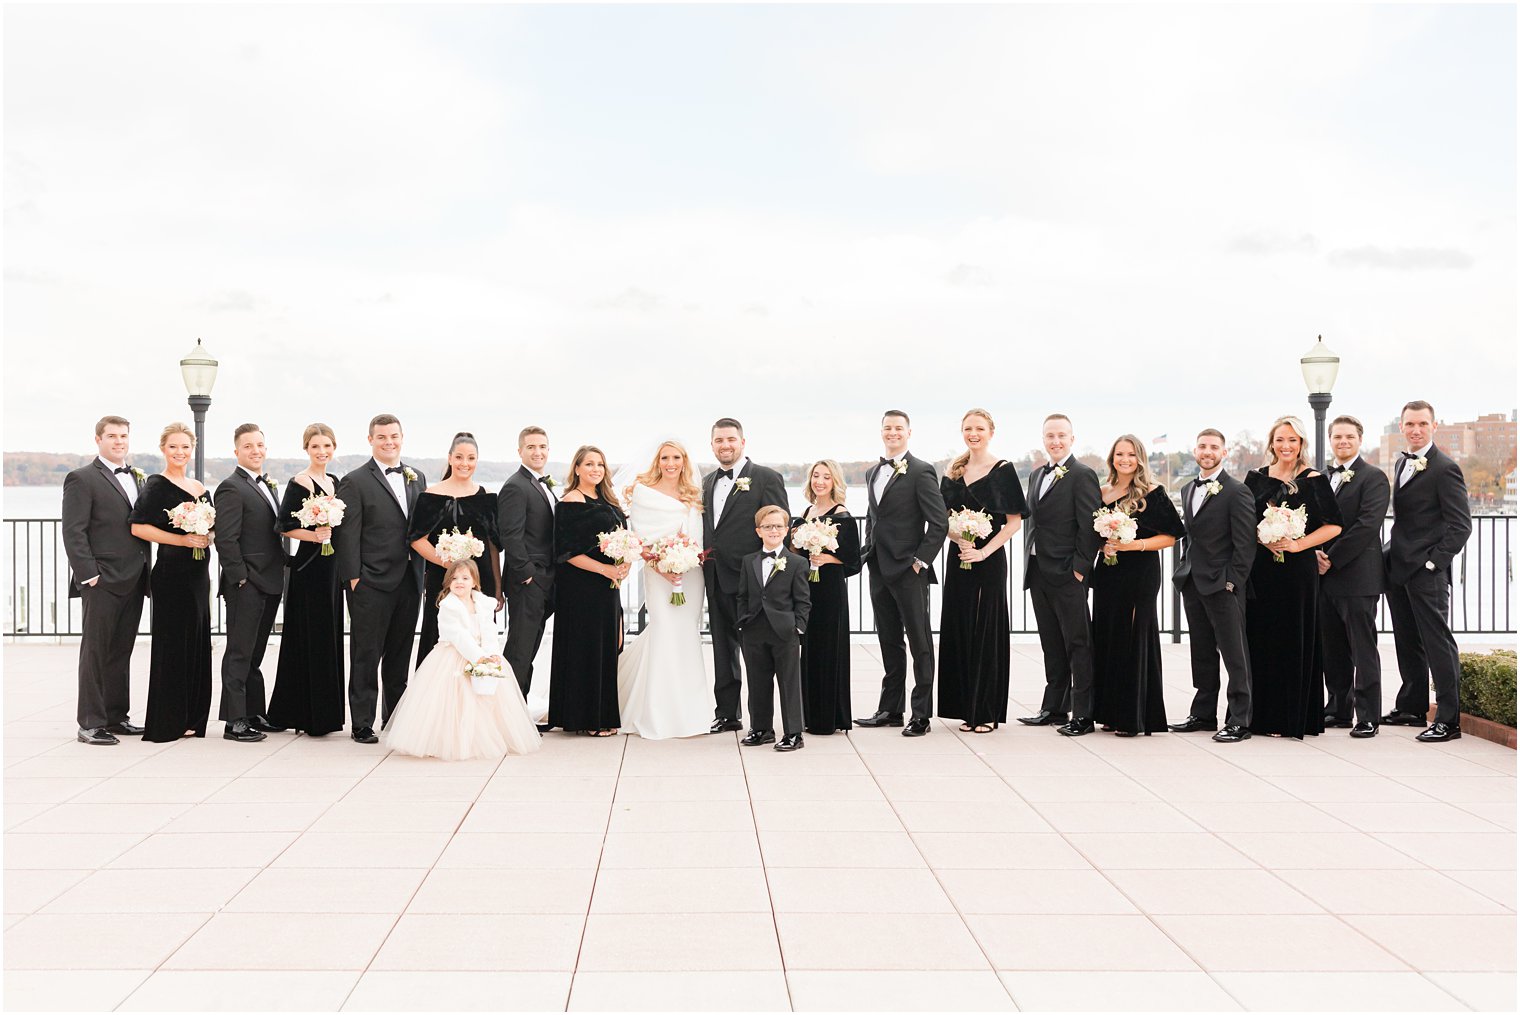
(196, 517)
(1114, 526)
(970, 525)
(1279, 521)
(620, 545)
(458, 545)
(321, 510)
(675, 554)
(814, 537)
(484, 673)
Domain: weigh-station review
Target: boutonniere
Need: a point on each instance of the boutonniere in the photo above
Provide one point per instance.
(139, 475)
(268, 481)
(1347, 474)
(408, 474)
(741, 485)
(1059, 472)
(551, 482)
(780, 563)
(900, 467)
(1213, 487)
(1419, 465)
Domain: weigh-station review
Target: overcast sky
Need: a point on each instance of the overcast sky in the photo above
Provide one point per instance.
(620, 222)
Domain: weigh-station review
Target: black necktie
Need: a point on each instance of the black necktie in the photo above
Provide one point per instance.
(725, 473)
(393, 469)
(121, 470)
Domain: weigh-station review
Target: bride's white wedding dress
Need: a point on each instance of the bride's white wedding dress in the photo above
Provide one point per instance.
(663, 687)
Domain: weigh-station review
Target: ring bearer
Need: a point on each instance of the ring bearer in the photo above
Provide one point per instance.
(773, 610)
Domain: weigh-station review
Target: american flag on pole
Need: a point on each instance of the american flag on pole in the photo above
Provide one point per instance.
(1158, 442)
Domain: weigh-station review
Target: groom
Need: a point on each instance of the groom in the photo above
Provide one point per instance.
(731, 494)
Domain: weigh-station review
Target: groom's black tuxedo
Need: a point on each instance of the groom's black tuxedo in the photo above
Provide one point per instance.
(1348, 597)
(252, 557)
(98, 540)
(526, 524)
(731, 536)
(1062, 543)
(372, 547)
(1212, 572)
(908, 522)
(772, 618)
(1431, 523)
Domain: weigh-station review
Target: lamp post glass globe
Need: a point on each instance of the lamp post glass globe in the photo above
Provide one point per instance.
(1320, 367)
(198, 369)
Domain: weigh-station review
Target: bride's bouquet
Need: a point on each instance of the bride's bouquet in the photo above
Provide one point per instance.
(620, 545)
(195, 517)
(1114, 526)
(321, 510)
(1279, 521)
(458, 545)
(484, 673)
(814, 537)
(675, 554)
(970, 525)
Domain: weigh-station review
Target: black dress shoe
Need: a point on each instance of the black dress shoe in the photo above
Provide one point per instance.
(1363, 730)
(123, 729)
(1397, 718)
(881, 719)
(1232, 735)
(1192, 724)
(1045, 718)
(792, 742)
(240, 731)
(1440, 732)
(1079, 726)
(916, 728)
(263, 725)
(725, 726)
(97, 737)
(1335, 722)
(544, 727)
(365, 735)
(754, 738)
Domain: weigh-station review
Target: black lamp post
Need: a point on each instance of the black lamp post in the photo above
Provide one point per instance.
(199, 371)
(1320, 367)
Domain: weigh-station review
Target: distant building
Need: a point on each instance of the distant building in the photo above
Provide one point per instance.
(1490, 437)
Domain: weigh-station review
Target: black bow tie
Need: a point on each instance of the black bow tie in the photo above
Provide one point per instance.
(393, 469)
(124, 468)
(1200, 481)
(1409, 454)
(725, 473)
(545, 480)
(773, 555)
(1337, 468)
(889, 461)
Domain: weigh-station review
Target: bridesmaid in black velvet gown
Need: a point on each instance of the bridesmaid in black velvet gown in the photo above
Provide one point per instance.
(826, 646)
(454, 502)
(588, 612)
(1287, 685)
(179, 673)
(1127, 695)
(308, 690)
(974, 635)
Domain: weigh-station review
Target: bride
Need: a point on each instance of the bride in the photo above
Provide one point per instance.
(663, 687)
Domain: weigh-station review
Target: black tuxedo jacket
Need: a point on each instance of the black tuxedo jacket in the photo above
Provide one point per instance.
(1431, 519)
(1059, 528)
(1356, 555)
(371, 543)
(247, 535)
(910, 522)
(1220, 545)
(733, 536)
(525, 523)
(785, 600)
(97, 532)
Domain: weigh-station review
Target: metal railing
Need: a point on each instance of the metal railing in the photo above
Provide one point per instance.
(38, 605)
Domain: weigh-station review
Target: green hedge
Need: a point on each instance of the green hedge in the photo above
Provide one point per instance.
(1488, 685)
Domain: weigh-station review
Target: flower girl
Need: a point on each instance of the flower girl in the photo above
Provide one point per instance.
(444, 712)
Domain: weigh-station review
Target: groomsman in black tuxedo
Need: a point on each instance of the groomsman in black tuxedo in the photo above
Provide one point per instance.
(109, 573)
(1351, 582)
(774, 602)
(252, 558)
(1062, 545)
(731, 494)
(383, 574)
(1219, 513)
(525, 519)
(1431, 523)
(906, 525)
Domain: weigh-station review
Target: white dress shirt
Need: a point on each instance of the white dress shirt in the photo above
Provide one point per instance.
(397, 481)
(1337, 478)
(258, 481)
(124, 480)
(725, 486)
(884, 475)
(1406, 465)
(543, 487)
(768, 568)
(1199, 493)
(1050, 475)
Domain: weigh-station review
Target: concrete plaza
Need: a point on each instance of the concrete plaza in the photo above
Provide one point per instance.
(1017, 870)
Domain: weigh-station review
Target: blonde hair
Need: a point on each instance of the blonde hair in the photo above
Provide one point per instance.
(1297, 426)
(835, 473)
(687, 489)
(958, 467)
(174, 428)
(1132, 502)
(314, 430)
(771, 509)
(448, 577)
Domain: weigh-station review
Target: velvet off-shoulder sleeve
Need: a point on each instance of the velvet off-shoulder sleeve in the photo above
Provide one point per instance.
(576, 527)
(157, 497)
(849, 542)
(1005, 492)
(1319, 498)
(478, 513)
(427, 516)
(1160, 515)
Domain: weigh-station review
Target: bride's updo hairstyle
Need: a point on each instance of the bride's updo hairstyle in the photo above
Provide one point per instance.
(688, 491)
(604, 488)
(448, 577)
